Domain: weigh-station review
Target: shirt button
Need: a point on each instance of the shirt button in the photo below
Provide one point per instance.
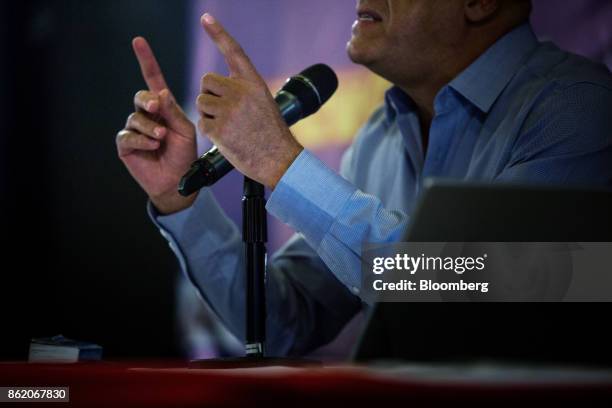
(355, 290)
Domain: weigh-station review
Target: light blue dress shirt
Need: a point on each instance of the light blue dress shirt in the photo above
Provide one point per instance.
(523, 112)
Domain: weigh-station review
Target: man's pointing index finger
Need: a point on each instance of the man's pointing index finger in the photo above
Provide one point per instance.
(238, 62)
(148, 65)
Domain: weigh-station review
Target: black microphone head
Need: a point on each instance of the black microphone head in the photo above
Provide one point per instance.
(312, 87)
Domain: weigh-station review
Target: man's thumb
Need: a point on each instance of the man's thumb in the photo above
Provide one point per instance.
(173, 114)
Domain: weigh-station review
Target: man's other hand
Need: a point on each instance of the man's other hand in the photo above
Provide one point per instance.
(158, 143)
(239, 114)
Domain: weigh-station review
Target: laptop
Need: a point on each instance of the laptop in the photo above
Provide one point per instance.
(557, 333)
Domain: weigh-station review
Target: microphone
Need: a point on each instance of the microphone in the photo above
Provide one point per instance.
(301, 96)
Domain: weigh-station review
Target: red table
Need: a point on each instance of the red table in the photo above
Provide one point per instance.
(164, 385)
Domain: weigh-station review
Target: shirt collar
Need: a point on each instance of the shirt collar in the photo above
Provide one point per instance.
(396, 102)
(485, 79)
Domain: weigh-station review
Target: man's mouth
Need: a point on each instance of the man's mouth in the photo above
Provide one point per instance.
(368, 16)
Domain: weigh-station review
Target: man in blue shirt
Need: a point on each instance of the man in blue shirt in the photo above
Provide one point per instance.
(475, 97)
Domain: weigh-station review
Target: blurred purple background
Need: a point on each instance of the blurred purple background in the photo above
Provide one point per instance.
(580, 26)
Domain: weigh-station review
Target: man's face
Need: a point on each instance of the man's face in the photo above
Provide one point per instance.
(404, 37)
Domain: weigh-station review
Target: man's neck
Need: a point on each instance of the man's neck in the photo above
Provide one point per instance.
(424, 93)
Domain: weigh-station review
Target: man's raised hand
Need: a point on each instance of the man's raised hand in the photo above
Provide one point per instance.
(239, 114)
(158, 143)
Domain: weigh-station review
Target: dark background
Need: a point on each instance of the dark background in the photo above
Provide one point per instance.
(76, 242)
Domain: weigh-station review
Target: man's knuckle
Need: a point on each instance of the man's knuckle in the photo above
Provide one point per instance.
(132, 119)
(140, 95)
(200, 100)
(208, 77)
(204, 80)
(120, 136)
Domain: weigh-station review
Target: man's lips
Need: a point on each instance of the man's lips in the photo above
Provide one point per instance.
(365, 14)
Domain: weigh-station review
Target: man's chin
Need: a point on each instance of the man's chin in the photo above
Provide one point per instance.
(359, 55)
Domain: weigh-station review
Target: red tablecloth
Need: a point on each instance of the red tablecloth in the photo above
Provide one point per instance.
(161, 385)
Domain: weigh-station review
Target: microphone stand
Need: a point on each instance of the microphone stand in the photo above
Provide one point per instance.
(254, 236)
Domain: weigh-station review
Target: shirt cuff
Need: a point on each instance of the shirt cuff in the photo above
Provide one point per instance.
(309, 197)
(174, 225)
(195, 232)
